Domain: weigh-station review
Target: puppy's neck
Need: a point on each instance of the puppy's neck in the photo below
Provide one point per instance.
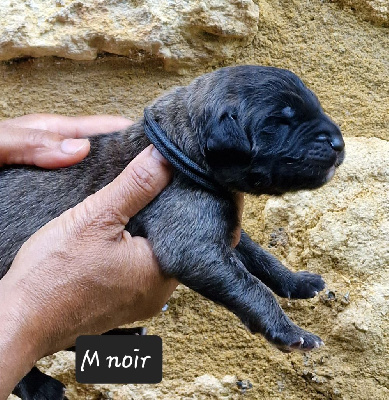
(171, 114)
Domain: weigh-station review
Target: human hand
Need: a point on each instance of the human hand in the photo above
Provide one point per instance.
(71, 277)
(52, 141)
(83, 273)
(239, 200)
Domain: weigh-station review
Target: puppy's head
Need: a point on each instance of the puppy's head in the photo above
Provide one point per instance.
(261, 130)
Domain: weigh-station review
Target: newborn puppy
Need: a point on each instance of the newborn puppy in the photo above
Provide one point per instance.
(253, 129)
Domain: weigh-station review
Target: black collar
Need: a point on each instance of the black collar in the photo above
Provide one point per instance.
(176, 157)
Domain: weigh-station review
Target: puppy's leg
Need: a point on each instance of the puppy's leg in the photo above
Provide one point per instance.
(38, 386)
(215, 271)
(282, 281)
(140, 331)
(190, 233)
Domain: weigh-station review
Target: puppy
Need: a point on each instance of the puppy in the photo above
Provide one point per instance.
(253, 129)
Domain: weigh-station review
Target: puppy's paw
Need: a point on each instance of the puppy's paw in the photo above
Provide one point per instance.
(306, 285)
(51, 390)
(295, 339)
(38, 386)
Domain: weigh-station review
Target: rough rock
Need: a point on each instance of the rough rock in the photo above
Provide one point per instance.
(180, 33)
(346, 222)
(376, 11)
(202, 387)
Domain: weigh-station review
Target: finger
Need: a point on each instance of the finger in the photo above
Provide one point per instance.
(41, 148)
(75, 127)
(140, 182)
(239, 200)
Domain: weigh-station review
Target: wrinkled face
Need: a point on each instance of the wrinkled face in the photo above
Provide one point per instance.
(262, 131)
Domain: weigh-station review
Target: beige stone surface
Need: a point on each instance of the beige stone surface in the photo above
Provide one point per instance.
(338, 231)
(376, 11)
(178, 32)
(346, 223)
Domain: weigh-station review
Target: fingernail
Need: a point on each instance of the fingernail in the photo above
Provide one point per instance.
(73, 146)
(158, 156)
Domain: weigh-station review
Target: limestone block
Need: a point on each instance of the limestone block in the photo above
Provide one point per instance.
(178, 32)
(376, 11)
(345, 224)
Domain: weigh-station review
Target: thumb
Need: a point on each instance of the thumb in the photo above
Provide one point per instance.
(39, 147)
(139, 183)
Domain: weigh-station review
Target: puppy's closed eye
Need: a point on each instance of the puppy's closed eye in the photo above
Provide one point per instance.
(276, 125)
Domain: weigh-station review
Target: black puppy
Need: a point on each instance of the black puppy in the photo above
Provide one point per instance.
(252, 129)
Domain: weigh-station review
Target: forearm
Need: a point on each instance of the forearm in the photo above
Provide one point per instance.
(17, 347)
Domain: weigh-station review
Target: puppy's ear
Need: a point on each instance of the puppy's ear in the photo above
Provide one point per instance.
(226, 142)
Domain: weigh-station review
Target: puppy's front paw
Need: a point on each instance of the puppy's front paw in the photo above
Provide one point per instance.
(295, 339)
(306, 285)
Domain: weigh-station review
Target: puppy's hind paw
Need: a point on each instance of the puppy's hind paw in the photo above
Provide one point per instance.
(296, 340)
(306, 285)
(299, 346)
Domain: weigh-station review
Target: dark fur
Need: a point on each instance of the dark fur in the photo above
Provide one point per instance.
(258, 130)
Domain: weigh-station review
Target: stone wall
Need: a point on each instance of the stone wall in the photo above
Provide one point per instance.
(180, 33)
(376, 11)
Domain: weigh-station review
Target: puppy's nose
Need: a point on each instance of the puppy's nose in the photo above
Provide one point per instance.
(334, 139)
(337, 143)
